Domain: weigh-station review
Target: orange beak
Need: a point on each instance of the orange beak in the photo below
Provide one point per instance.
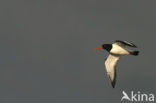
(99, 48)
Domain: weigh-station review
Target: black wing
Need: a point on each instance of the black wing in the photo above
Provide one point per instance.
(126, 43)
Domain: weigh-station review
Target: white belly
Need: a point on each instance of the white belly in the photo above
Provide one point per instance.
(116, 49)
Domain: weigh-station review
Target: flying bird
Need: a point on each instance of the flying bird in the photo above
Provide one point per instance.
(116, 50)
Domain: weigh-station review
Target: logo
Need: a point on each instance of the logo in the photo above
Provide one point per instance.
(137, 97)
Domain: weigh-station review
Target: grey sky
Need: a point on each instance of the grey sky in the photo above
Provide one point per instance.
(47, 49)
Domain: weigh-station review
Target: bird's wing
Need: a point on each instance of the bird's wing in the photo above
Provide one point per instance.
(110, 65)
(125, 43)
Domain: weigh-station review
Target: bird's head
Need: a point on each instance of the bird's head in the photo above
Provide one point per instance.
(107, 47)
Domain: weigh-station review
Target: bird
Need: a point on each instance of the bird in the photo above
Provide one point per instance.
(116, 50)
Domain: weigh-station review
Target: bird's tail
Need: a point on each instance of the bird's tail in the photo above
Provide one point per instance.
(135, 53)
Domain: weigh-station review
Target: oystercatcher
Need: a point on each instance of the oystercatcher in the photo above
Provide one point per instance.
(117, 49)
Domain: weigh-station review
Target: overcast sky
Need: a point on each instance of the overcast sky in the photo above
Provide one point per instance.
(47, 50)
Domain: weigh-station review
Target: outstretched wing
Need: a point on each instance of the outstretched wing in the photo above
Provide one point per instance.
(125, 43)
(110, 65)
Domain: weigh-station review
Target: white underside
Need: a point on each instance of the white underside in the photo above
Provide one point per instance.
(110, 65)
(118, 50)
